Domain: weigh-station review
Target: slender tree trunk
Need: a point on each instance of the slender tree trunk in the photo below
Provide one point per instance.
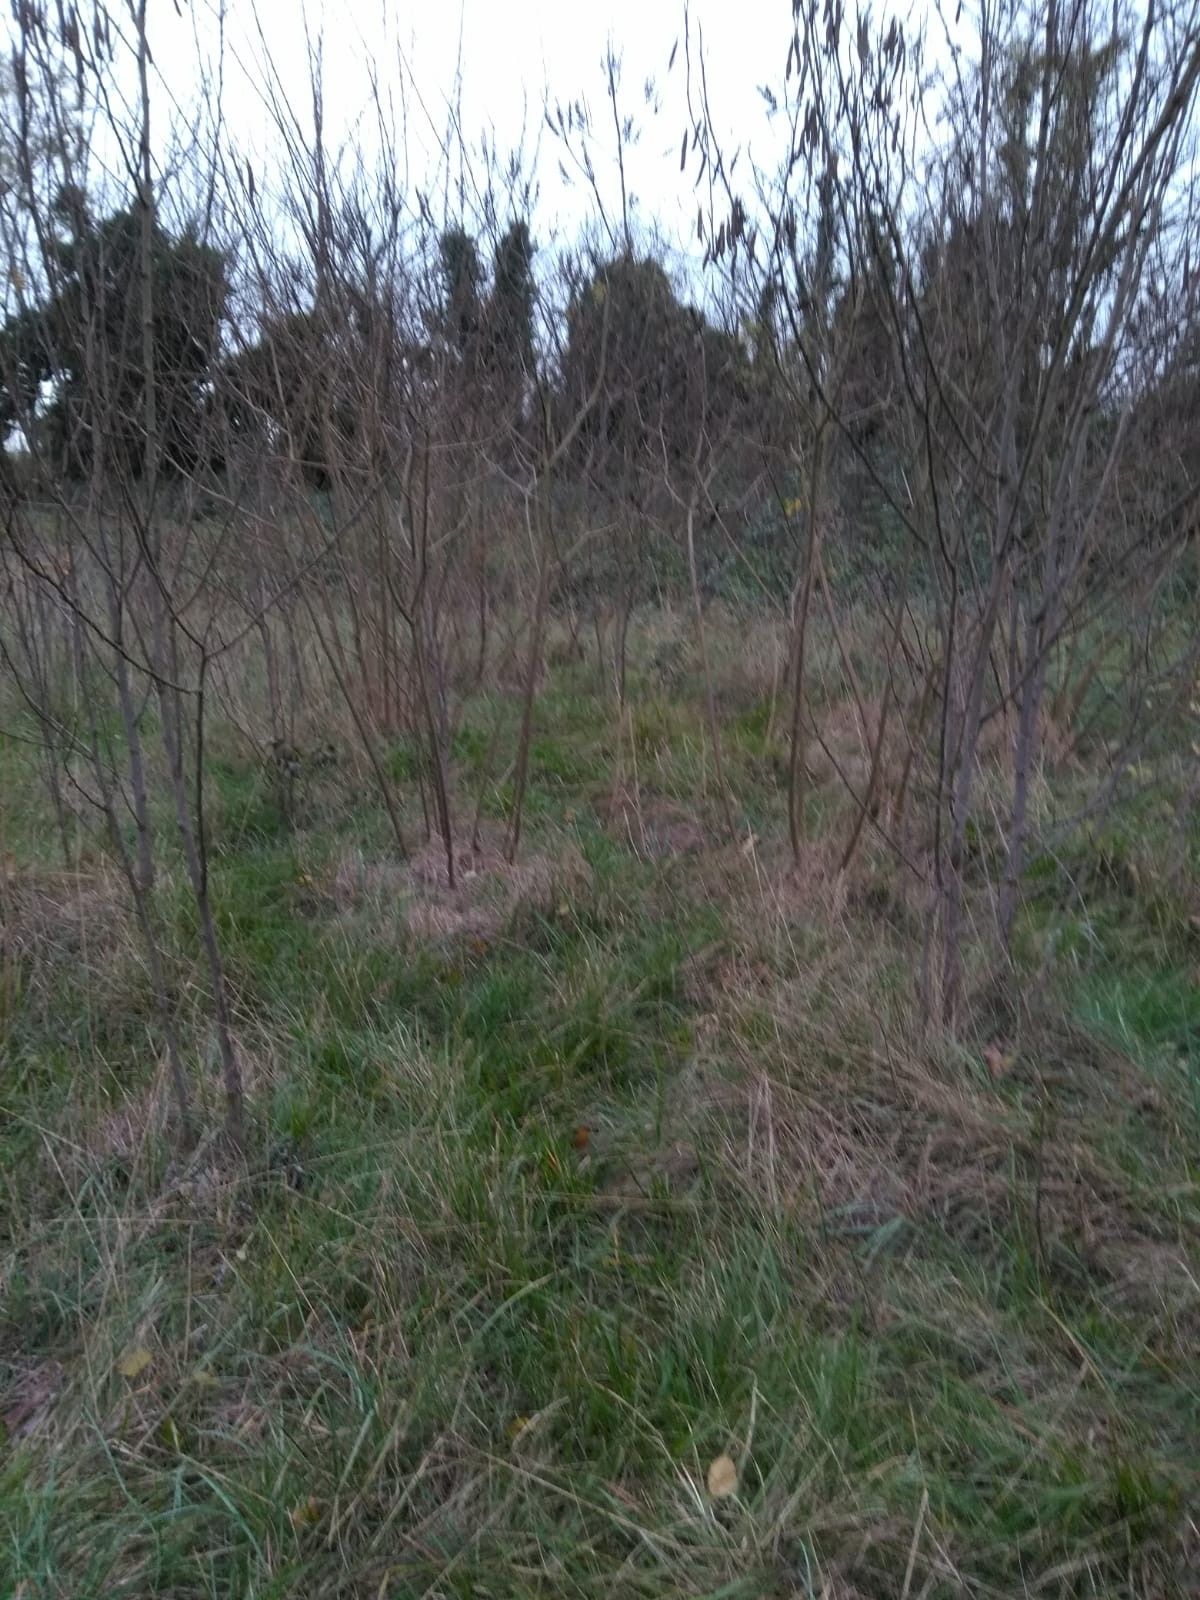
(797, 769)
(365, 736)
(130, 723)
(714, 729)
(624, 612)
(195, 852)
(140, 886)
(915, 732)
(437, 767)
(532, 670)
(1025, 749)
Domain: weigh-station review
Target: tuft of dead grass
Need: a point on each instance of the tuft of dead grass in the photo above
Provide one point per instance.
(857, 1137)
(488, 893)
(1053, 741)
(848, 734)
(654, 826)
(29, 1397)
(47, 912)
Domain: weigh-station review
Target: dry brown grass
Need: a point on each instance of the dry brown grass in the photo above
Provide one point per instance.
(653, 825)
(860, 1134)
(1054, 743)
(28, 1402)
(488, 893)
(53, 913)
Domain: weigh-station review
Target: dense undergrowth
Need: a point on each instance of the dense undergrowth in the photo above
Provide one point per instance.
(603, 1166)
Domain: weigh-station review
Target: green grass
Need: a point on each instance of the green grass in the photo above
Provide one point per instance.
(536, 1222)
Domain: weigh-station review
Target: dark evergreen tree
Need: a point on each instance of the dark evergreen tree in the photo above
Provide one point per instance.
(510, 312)
(463, 284)
(83, 341)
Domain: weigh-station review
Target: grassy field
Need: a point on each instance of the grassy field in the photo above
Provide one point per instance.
(566, 1185)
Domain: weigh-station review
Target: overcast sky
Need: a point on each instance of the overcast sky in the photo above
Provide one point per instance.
(513, 56)
(495, 65)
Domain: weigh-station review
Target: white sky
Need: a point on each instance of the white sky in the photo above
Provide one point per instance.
(514, 56)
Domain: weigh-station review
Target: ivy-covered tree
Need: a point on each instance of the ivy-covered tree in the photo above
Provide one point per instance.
(82, 343)
(463, 286)
(287, 397)
(510, 311)
(667, 373)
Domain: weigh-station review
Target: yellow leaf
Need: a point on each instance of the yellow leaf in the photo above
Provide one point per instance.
(134, 1362)
(170, 1435)
(722, 1478)
(516, 1428)
(305, 1513)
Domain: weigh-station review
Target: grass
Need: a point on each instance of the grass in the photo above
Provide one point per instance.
(642, 1162)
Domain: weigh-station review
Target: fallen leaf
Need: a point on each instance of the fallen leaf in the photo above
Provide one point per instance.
(134, 1362)
(581, 1138)
(998, 1063)
(722, 1478)
(305, 1513)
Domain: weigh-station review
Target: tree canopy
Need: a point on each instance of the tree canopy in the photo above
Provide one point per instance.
(84, 341)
